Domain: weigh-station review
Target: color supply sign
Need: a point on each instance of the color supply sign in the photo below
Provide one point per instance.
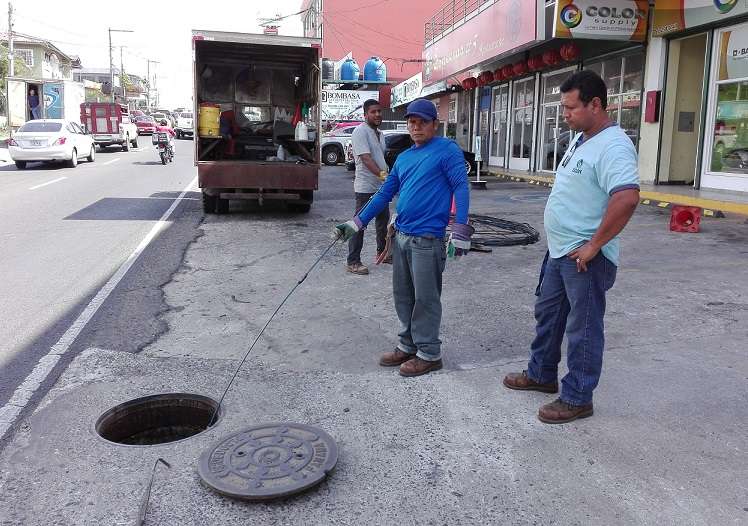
(345, 105)
(671, 16)
(601, 19)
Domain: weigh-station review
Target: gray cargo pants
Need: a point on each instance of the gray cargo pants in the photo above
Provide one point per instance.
(417, 266)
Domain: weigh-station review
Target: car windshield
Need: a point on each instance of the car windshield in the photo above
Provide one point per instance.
(158, 116)
(41, 127)
(147, 120)
(186, 115)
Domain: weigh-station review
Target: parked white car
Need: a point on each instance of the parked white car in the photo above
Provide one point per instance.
(51, 140)
(184, 125)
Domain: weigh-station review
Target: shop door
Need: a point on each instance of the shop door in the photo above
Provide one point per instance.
(554, 132)
(682, 112)
(523, 106)
(499, 124)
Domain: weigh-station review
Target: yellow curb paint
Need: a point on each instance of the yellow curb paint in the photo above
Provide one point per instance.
(709, 213)
(663, 204)
(711, 204)
(646, 202)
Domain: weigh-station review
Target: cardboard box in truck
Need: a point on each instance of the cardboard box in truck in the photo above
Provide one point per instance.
(250, 93)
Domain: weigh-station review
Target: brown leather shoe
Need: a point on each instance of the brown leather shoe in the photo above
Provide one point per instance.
(396, 357)
(417, 367)
(357, 268)
(559, 412)
(522, 382)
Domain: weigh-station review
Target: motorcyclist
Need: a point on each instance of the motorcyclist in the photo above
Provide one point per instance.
(163, 126)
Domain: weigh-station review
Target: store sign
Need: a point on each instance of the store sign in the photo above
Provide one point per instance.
(498, 29)
(733, 54)
(437, 87)
(345, 105)
(407, 91)
(601, 19)
(671, 16)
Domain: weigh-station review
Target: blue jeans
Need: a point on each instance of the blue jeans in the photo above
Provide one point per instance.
(417, 267)
(36, 112)
(573, 303)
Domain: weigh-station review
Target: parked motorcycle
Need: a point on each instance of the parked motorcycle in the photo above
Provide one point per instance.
(162, 141)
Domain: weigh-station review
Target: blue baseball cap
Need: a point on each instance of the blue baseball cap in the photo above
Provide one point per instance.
(422, 108)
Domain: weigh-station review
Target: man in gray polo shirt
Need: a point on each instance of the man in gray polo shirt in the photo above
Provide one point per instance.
(371, 170)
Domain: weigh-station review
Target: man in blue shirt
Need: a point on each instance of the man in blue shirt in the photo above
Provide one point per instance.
(594, 195)
(426, 176)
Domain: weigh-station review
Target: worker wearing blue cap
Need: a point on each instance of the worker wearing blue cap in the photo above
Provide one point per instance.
(426, 176)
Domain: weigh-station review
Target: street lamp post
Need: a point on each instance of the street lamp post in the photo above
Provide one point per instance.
(148, 81)
(111, 59)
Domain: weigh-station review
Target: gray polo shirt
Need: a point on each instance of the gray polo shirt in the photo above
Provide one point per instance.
(366, 140)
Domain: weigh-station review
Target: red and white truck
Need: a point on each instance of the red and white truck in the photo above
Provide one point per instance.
(109, 124)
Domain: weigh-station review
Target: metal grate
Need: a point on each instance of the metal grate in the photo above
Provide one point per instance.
(451, 14)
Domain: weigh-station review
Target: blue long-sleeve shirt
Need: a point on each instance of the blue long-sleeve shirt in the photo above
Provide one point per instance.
(426, 177)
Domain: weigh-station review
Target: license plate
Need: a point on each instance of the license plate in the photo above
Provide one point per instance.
(161, 149)
(37, 143)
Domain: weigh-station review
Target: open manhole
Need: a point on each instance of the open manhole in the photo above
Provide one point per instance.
(157, 419)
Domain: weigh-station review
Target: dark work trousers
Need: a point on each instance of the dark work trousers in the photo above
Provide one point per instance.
(571, 303)
(356, 243)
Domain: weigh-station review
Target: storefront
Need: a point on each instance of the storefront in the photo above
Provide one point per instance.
(703, 51)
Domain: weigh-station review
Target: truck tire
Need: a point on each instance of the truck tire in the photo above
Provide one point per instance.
(21, 165)
(126, 144)
(222, 206)
(302, 208)
(331, 155)
(179, 134)
(135, 142)
(209, 203)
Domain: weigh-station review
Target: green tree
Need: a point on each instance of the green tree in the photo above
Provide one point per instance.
(21, 68)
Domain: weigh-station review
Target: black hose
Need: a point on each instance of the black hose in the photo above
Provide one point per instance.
(495, 232)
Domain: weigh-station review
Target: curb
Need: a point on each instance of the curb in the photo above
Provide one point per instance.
(539, 181)
(709, 207)
(705, 212)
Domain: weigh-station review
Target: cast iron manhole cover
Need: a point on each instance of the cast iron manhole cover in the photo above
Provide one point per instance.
(268, 461)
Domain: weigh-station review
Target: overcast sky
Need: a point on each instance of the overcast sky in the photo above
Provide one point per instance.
(162, 32)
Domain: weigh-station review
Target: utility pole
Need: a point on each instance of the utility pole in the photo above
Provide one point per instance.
(11, 59)
(111, 59)
(148, 81)
(122, 72)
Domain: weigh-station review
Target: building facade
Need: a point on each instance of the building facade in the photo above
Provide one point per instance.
(44, 60)
(364, 29)
(697, 66)
(498, 65)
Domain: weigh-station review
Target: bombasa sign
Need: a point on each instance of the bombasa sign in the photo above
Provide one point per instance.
(601, 19)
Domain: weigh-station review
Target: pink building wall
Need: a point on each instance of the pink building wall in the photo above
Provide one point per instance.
(392, 30)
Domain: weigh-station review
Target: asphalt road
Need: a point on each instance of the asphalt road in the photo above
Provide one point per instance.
(65, 231)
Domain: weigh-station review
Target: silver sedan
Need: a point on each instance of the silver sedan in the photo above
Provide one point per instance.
(51, 140)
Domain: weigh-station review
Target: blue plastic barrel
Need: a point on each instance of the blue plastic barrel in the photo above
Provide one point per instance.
(349, 70)
(375, 70)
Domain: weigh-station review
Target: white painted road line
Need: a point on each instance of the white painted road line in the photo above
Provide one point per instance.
(48, 183)
(110, 162)
(10, 412)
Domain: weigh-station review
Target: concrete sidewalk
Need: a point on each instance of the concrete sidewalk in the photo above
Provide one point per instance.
(667, 443)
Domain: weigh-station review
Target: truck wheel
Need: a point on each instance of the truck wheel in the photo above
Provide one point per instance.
(222, 206)
(92, 154)
(135, 142)
(126, 144)
(209, 203)
(179, 134)
(21, 165)
(73, 161)
(302, 208)
(331, 156)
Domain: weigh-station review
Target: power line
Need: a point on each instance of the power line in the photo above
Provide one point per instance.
(360, 7)
(381, 33)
